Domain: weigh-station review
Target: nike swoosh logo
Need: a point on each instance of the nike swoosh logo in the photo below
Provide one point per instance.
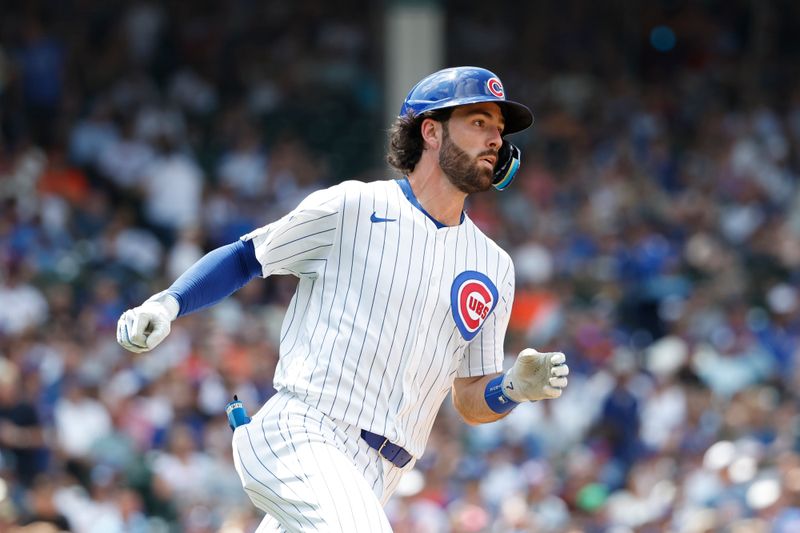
(374, 219)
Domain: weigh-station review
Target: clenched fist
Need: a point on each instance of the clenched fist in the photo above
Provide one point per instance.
(536, 376)
(142, 328)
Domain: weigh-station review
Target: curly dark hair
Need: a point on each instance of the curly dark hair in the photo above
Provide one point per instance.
(405, 138)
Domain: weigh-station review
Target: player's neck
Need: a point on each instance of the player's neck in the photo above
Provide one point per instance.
(440, 198)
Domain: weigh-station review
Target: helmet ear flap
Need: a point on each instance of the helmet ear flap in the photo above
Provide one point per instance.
(509, 158)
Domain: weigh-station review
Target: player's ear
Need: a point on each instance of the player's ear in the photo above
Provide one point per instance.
(431, 131)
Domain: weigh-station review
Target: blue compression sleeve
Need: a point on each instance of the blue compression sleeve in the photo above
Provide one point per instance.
(216, 275)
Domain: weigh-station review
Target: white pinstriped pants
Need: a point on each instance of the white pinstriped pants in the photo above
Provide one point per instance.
(309, 472)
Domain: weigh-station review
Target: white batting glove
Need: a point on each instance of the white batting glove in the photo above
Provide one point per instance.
(142, 328)
(536, 376)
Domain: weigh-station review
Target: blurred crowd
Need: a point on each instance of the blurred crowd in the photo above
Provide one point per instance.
(655, 229)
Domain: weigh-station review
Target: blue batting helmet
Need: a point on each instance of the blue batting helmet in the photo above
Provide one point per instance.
(457, 86)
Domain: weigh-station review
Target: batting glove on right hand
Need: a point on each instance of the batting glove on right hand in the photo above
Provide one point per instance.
(536, 376)
(142, 328)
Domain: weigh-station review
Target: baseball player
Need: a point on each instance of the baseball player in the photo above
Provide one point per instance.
(401, 299)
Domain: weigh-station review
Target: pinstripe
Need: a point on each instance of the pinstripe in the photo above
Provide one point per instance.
(325, 480)
(436, 292)
(386, 307)
(311, 290)
(309, 221)
(369, 315)
(374, 460)
(343, 483)
(335, 290)
(382, 429)
(290, 314)
(320, 469)
(356, 320)
(346, 292)
(301, 252)
(267, 505)
(267, 440)
(321, 298)
(391, 483)
(318, 218)
(290, 443)
(306, 236)
(466, 255)
(350, 434)
(270, 474)
(424, 345)
(409, 280)
(272, 409)
(326, 202)
(445, 312)
(266, 236)
(424, 398)
(402, 405)
(506, 314)
(486, 269)
(483, 338)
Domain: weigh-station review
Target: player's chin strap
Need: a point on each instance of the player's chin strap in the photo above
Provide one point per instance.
(508, 160)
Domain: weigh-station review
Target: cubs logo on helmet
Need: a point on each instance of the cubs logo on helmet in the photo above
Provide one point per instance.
(495, 87)
(473, 297)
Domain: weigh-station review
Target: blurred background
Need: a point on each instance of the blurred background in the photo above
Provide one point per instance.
(655, 227)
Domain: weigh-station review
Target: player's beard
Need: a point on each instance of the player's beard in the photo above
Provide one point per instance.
(464, 171)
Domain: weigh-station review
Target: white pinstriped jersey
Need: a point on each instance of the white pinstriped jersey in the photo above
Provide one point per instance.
(390, 307)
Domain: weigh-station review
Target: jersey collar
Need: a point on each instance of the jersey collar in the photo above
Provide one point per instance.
(405, 186)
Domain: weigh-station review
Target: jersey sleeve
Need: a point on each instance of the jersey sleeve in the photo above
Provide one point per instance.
(300, 242)
(484, 354)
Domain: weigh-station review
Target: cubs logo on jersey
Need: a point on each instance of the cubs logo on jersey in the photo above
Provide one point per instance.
(473, 296)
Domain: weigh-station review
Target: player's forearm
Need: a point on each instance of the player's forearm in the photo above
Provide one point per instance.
(469, 398)
(215, 276)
